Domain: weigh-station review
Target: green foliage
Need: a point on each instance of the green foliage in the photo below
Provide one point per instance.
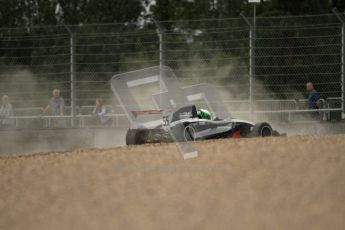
(124, 44)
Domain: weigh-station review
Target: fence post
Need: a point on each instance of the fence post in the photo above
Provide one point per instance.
(160, 33)
(342, 20)
(73, 75)
(251, 64)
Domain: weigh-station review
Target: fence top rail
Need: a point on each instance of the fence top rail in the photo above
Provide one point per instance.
(278, 100)
(298, 111)
(65, 116)
(333, 98)
(240, 111)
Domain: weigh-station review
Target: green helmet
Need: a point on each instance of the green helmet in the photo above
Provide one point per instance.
(204, 114)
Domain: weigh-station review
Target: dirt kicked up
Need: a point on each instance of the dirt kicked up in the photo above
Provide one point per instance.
(271, 183)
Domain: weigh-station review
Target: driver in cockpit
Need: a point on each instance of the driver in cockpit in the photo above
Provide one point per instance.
(203, 114)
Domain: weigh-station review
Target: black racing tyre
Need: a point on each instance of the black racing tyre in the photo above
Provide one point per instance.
(136, 136)
(189, 133)
(245, 130)
(262, 129)
(276, 133)
(130, 137)
(178, 132)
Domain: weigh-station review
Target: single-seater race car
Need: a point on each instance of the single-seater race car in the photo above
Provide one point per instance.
(160, 109)
(184, 124)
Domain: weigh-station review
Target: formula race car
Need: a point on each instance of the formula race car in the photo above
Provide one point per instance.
(184, 124)
(160, 109)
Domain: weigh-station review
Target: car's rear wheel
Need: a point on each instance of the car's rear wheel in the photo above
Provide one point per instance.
(136, 136)
(262, 129)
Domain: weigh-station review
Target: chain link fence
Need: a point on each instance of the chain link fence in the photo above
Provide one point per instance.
(292, 51)
(279, 54)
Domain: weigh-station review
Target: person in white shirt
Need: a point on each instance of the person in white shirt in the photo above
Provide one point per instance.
(100, 111)
(6, 111)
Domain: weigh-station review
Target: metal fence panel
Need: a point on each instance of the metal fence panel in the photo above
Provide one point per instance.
(289, 51)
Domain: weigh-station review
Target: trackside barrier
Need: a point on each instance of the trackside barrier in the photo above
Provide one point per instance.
(334, 102)
(33, 117)
(302, 104)
(86, 120)
(34, 112)
(266, 110)
(239, 108)
(275, 105)
(120, 120)
(47, 122)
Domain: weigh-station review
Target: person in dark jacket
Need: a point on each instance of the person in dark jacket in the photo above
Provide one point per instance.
(314, 97)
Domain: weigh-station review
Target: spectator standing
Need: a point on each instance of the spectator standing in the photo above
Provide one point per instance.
(6, 111)
(100, 111)
(314, 97)
(56, 104)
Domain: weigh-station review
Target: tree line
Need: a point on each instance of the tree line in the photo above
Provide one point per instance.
(49, 67)
(26, 13)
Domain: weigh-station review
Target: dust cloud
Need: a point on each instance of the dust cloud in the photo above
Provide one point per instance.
(232, 83)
